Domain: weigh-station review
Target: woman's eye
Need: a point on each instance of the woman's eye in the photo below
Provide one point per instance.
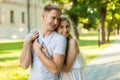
(61, 26)
(67, 27)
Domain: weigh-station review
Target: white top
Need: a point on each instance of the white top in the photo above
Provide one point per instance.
(55, 43)
(78, 61)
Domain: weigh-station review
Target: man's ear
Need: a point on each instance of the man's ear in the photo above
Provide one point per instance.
(44, 15)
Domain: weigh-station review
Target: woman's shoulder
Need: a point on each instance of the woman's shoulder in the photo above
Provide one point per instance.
(72, 41)
(73, 44)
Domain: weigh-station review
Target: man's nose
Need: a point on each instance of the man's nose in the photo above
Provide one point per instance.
(55, 21)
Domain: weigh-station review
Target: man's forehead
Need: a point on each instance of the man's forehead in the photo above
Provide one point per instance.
(54, 13)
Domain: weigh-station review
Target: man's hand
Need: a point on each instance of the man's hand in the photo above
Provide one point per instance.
(40, 47)
(31, 36)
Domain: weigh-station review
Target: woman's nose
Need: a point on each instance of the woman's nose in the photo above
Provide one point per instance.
(65, 29)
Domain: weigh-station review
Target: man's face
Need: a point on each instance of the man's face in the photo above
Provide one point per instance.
(51, 19)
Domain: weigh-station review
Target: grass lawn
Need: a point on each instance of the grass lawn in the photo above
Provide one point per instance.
(9, 64)
(10, 68)
(88, 45)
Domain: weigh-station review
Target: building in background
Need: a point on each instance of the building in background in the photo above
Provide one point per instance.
(14, 17)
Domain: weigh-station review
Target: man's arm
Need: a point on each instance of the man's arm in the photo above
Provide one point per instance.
(26, 54)
(25, 57)
(52, 64)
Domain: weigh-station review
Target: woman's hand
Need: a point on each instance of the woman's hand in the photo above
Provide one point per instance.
(37, 47)
(45, 51)
(40, 47)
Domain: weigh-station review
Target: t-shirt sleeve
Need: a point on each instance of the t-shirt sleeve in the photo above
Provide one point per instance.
(60, 45)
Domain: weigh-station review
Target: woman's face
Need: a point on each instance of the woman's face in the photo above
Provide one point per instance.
(64, 28)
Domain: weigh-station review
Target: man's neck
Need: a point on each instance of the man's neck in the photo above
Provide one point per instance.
(44, 31)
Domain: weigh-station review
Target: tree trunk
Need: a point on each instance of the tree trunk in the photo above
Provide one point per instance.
(75, 22)
(28, 15)
(74, 2)
(109, 30)
(102, 26)
(118, 28)
(75, 29)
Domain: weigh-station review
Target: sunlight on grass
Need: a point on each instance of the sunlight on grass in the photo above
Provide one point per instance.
(10, 68)
(88, 45)
(91, 56)
(10, 40)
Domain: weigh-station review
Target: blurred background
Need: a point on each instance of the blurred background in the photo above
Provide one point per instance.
(95, 25)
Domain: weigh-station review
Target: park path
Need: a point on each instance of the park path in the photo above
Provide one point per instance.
(107, 65)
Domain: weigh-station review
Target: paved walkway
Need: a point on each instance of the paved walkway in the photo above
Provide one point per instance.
(106, 66)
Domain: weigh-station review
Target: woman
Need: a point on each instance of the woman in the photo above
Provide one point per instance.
(72, 68)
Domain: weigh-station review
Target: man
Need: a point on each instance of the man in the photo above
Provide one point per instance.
(42, 66)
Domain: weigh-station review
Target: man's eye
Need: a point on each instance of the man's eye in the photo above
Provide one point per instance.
(53, 18)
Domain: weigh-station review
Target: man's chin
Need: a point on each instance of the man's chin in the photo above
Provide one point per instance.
(52, 29)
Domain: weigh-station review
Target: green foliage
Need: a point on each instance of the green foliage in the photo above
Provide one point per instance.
(90, 9)
(60, 1)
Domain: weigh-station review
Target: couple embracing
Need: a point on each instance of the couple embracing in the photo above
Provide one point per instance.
(51, 52)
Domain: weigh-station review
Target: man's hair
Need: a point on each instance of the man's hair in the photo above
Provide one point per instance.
(50, 7)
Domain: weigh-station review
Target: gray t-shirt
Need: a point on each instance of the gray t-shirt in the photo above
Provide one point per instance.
(55, 43)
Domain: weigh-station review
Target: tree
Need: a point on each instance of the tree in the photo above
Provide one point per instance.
(104, 8)
(91, 13)
(74, 12)
(113, 19)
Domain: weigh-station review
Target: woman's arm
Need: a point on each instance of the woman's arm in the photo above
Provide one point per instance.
(72, 52)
